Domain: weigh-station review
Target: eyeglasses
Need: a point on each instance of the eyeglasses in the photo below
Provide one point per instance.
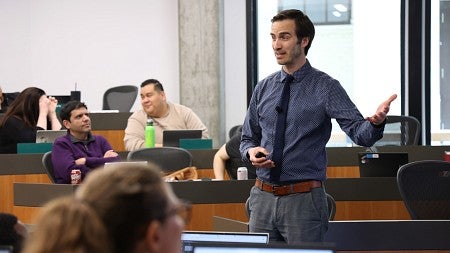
(182, 210)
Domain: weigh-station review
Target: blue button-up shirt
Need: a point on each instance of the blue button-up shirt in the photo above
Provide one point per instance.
(315, 98)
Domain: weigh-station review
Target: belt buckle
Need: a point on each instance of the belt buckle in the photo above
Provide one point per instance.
(274, 188)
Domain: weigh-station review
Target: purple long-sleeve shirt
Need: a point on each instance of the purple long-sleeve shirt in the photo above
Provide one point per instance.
(66, 150)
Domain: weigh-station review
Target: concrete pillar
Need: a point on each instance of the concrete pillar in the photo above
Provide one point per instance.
(200, 37)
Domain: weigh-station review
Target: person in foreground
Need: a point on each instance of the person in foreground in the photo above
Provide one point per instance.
(141, 211)
(165, 116)
(79, 148)
(67, 225)
(285, 136)
(12, 232)
(32, 110)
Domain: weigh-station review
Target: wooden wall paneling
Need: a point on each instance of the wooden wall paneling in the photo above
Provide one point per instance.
(114, 137)
(7, 192)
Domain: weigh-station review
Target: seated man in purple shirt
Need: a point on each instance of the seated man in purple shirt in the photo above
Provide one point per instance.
(79, 149)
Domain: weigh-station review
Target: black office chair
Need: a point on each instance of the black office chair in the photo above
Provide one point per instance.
(331, 207)
(400, 130)
(48, 165)
(169, 159)
(234, 130)
(425, 189)
(120, 98)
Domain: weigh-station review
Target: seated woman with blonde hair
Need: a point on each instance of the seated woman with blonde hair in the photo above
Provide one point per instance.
(67, 225)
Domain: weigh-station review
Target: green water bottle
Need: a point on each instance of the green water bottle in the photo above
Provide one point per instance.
(149, 134)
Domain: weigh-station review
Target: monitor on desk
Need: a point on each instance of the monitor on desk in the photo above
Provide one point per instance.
(381, 164)
(171, 138)
(188, 238)
(260, 248)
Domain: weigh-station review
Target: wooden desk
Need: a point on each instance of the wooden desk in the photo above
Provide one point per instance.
(373, 236)
(342, 164)
(227, 198)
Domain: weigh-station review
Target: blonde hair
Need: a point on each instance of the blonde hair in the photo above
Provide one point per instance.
(127, 198)
(67, 225)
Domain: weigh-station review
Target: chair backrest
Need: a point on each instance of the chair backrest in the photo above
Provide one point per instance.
(425, 189)
(400, 130)
(331, 206)
(234, 130)
(48, 165)
(120, 98)
(169, 159)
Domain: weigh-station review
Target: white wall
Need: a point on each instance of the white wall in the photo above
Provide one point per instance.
(97, 44)
(235, 62)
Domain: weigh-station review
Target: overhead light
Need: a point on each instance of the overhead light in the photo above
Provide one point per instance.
(340, 7)
(337, 14)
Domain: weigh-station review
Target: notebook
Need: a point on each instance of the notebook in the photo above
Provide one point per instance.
(260, 248)
(49, 136)
(171, 138)
(188, 238)
(381, 164)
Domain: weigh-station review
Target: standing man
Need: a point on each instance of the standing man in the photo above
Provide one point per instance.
(284, 136)
(165, 116)
(79, 149)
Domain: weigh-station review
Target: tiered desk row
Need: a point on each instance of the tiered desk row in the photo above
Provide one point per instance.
(25, 186)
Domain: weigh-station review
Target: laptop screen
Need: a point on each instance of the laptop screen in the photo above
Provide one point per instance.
(381, 164)
(6, 249)
(171, 138)
(118, 164)
(259, 248)
(49, 136)
(188, 238)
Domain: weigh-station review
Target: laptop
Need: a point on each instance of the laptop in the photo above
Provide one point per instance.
(188, 238)
(49, 136)
(381, 164)
(171, 138)
(6, 249)
(202, 247)
(114, 164)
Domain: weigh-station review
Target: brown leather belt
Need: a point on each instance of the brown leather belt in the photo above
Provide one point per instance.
(282, 190)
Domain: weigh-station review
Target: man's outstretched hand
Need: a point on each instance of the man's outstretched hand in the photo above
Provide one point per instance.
(382, 111)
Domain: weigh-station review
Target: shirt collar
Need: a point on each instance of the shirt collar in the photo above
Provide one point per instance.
(90, 138)
(298, 74)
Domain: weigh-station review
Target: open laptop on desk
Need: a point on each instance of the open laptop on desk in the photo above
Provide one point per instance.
(49, 136)
(260, 248)
(6, 249)
(124, 163)
(171, 138)
(381, 164)
(188, 238)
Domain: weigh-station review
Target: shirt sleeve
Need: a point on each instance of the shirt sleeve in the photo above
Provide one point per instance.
(349, 118)
(134, 133)
(194, 122)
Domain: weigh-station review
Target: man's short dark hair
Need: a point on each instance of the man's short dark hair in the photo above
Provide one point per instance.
(158, 86)
(66, 110)
(303, 25)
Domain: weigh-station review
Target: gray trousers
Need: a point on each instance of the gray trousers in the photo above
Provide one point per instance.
(294, 218)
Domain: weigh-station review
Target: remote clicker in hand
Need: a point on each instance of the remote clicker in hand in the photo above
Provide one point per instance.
(260, 154)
